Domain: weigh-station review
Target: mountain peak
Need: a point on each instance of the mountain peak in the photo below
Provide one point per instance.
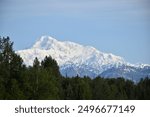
(45, 42)
(65, 52)
(75, 59)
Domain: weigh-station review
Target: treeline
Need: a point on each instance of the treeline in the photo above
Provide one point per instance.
(43, 81)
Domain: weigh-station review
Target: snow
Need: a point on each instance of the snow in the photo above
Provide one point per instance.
(69, 54)
(64, 52)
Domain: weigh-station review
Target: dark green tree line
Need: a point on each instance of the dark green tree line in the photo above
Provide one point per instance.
(43, 81)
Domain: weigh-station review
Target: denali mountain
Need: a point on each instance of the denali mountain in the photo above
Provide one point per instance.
(75, 59)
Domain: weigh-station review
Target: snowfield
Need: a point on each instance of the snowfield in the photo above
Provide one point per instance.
(75, 59)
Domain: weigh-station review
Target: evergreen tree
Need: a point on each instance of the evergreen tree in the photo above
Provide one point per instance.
(51, 66)
(43, 80)
(10, 67)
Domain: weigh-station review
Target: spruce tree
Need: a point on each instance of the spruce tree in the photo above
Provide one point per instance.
(10, 68)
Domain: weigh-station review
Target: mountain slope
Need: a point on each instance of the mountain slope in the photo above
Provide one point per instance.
(74, 58)
(126, 71)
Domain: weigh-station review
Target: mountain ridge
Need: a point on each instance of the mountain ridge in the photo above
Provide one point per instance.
(75, 59)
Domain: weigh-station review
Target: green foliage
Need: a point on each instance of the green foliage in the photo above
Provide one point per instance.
(51, 66)
(43, 81)
(10, 69)
(144, 88)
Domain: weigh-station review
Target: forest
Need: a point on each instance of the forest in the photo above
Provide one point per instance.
(43, 81)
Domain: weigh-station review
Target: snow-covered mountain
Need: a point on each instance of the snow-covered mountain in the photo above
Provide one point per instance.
(75, 59)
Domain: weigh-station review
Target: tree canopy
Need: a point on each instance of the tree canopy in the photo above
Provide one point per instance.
(43, 81)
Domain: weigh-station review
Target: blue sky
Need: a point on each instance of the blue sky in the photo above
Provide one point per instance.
(121, 27)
